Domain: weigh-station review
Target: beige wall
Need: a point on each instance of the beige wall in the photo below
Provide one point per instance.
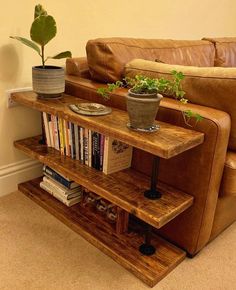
(79, 21)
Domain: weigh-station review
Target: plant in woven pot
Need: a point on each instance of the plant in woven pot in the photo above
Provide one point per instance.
(144, 96)
(48, 80)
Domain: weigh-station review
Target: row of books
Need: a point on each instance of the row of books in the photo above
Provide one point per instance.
(91, 148)
(62, 188)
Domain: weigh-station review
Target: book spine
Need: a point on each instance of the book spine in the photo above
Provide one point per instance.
(76, 129)
(61, 134)
(72, 134)
(86, 161)
(90, 148)
(44, 140)
(50, 130)
(66, 135)
(45, 121)
(105, 154)
(57, 177)
(82, 145)
(95, 150)
(102, 140)
(57, 145)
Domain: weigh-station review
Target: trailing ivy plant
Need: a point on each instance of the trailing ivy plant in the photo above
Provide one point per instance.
(145, 85)
(43, 29)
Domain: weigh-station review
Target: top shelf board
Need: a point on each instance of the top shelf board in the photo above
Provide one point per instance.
(169, 141)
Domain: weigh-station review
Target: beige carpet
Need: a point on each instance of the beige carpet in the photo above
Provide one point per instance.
(39, 252)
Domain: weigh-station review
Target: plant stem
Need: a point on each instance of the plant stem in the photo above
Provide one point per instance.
(42, 56)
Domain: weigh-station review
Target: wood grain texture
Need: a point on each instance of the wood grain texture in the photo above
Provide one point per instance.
(121, 248)
(169, 141)
(124, 188)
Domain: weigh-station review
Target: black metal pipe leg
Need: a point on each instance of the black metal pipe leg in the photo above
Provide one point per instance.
(153, 193)
(147, 249)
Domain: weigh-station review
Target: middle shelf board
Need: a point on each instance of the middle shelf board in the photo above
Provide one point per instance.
(124, 188)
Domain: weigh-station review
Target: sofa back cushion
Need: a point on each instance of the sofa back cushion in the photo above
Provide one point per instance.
(225, 51)
(107, 56)
(207, 86)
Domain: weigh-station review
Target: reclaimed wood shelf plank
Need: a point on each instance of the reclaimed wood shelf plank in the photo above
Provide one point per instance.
(169, 141)
(124, 188)
(124, 248)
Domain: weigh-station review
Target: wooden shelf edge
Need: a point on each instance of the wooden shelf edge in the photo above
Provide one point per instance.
(174, 141)
(121, 248)
(124, 188)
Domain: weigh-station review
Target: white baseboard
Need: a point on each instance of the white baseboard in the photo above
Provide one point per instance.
(14, 173)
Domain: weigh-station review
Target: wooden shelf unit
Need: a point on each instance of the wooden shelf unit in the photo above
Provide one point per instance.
(124, 188)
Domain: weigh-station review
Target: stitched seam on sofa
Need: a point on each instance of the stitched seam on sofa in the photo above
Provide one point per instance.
(129, 45)
(169, 73)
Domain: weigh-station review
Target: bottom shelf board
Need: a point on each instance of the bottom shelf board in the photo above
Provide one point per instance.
(123, 248)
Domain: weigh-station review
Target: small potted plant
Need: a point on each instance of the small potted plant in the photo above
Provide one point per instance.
(144, 96)
(48, 81)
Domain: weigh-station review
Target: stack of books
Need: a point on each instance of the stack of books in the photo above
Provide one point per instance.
(62, 188)
(91, 148)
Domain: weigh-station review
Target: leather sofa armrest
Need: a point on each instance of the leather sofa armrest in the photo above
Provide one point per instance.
(198, 172)
(77, 66)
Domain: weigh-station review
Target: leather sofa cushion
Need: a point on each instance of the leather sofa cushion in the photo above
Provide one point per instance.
(108, 56)
(207, 86)
(225, 51)
(228, 184)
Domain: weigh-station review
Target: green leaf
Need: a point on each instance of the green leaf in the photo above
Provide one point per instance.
(39, 10)
(63, 54)
(27, 42)
(43, 29)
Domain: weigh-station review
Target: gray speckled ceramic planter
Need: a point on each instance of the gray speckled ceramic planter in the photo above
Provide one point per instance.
(48, 82)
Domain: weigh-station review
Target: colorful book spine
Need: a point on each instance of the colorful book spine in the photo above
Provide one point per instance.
(72, 141)
(76, 130)
(61, 134)
(96, 150)
(90, 145)
(102, 140)
(56, 133)
(46, 126)
(50, 130)
(82, 145)
(66, 136)
(86, 161)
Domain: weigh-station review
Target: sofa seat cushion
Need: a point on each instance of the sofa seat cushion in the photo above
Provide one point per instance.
(207, 86)
(225, 51)
(228, 184)
(107, 56)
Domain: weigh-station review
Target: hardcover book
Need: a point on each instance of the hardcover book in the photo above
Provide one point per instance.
(117, 155)
(50, 190)
(59, 178)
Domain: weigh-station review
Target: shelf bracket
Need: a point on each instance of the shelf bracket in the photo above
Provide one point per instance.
(153, 193)
(146, 248)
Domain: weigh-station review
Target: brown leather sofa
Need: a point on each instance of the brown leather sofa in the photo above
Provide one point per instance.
(208, 172)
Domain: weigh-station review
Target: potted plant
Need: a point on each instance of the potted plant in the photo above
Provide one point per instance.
(144, 96)
(48, 81)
